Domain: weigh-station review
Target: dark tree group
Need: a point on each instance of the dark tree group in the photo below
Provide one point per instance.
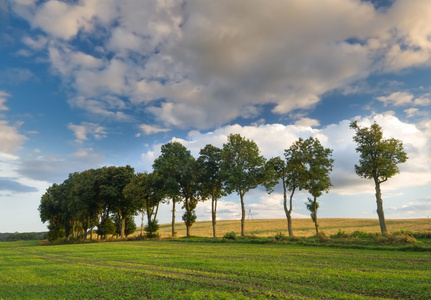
(107, 199)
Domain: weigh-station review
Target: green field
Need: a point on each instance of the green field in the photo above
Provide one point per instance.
(175, 269)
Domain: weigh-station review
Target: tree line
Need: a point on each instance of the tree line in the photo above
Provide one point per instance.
(107, 199)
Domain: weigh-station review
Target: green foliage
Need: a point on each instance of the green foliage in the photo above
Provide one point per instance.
(230, 236)
(152, 228)
(379, 157)
(26, 236)
(130, 226)
(312, 206)
(106, 226)
(280, 237)
(189, 217)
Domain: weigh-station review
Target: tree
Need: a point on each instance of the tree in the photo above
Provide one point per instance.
(378, 160)
(85, 204)
(211, 179)
(147, 191)
(292, 174)
(242, 168)
(113, 181)
(179, 171)
(50, 210)
(319, 165)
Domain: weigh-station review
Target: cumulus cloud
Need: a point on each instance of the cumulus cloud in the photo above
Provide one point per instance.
(152, 129)
(200, 65)
(11, 140)
(397, 99)
(273, 139)
(87, 129)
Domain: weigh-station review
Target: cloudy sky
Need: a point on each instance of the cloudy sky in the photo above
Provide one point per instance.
(91, 83)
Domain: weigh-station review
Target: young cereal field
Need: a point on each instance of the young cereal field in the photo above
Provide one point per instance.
(174, 269)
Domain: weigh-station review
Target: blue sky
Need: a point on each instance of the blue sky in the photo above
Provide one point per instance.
(91, 83)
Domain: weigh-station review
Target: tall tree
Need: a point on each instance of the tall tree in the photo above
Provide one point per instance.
(319, 166)
(85, 204)
(113, 181)
(51, 211)
(242, 168)
(146, 190)
(179, 170)
(291, 172)
(378, 160)
(211, 178)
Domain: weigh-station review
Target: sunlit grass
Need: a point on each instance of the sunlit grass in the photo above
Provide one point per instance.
(194, 270)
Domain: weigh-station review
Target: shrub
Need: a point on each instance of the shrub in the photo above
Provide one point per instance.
(230, 235)
(340, 235)
(362, 234)
(280, 237)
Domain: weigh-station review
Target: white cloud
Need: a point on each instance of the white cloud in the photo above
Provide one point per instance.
(3, 98)
(152, 129)
(11, 140)
(411, 112)
(397, 99)
(85, 129)
(307, 122)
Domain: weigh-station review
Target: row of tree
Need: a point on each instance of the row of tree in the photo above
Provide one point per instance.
(109, 197)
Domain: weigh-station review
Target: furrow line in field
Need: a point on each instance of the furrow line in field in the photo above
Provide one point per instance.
(217, 279)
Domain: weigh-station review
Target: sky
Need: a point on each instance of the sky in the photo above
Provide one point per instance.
(92, 83)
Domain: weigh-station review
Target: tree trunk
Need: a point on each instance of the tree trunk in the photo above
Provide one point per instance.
(142, 223)
(173, 217)
(241, 194)
(380, 212)
(315, 216)
(123, 226)
(213, 215)
(288, 211)
(188, 214)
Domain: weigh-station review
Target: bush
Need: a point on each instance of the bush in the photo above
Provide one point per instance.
(152, 228)
(281, 237)
(340, 235)
(362, 234)
(230, 235)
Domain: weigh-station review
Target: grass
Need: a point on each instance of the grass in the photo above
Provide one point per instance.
(169, 269)
(301, 227)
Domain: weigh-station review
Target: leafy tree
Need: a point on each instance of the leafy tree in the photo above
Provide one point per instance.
(378, 160)
(146, 189)
(130, 226)
(51, 210)
(291, 172)
(112, 183)
(85, 204)
(211, 179)
(242, 168)
(179, 171)
(319, 165)
(105, 227)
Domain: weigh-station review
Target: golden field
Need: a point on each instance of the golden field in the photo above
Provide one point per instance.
(301, 227)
